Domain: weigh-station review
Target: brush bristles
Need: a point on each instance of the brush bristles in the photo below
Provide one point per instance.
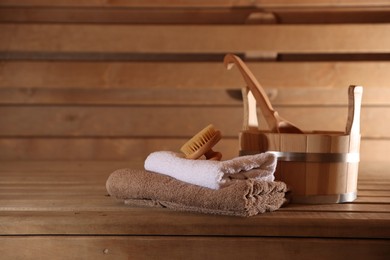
(201, 142)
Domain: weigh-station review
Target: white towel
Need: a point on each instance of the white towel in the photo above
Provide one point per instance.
(212, 174)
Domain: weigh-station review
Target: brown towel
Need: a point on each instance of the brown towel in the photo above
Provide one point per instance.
(242, 198)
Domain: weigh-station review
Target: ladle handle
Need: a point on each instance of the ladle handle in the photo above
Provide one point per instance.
(258, 92)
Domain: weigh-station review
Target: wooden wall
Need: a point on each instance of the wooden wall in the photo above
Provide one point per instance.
(120, 79)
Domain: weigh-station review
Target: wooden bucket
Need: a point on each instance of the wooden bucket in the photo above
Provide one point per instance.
(319, 166)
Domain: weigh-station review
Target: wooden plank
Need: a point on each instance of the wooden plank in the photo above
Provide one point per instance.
(184, 96)
(126, 15)
(374, 185)
(129, 96)
(94, 167)
(96, 148)
(348, 207)
(168, 247)
(136, 148)
(123, 148)
(369, 14)
(75, 170)
(372, 171)
(376, 193)
(156, 121)
(129, 121)
(201, 3)
(140, 82)
(156, 221)
(58, 201)
(372, 199)
(191, 39)
(194, 15)
(374, 150)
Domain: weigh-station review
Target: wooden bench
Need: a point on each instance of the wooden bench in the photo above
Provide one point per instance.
(60, 210)
(87, 87)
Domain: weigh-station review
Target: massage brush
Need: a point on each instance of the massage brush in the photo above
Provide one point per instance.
(202, 144)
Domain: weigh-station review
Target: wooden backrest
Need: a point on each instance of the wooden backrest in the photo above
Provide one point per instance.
(96, 80)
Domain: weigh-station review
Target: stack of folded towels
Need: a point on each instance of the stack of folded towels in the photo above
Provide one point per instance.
(243, 186)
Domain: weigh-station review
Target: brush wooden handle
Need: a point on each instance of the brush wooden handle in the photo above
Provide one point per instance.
(213, 155)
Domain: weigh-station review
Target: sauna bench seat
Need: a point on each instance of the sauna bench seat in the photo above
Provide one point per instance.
(61, 210)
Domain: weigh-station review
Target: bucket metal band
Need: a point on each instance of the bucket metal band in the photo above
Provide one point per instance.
(325, 199)
(317, 157)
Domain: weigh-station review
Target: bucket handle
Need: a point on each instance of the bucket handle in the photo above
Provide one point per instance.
(355, 94)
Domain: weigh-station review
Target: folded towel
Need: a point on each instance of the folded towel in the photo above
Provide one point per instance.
(212, 174)
(242, 198)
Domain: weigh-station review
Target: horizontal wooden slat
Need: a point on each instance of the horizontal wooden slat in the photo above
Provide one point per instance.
(127, 96)
(376, 193)
(186, 96)
(129, 15)
(183, 82)
(65, 198)
(196, 15)
(363, 38)
(71, 171)
(146, 121)
(363, 199)
(151, 221)
(339, 14)
(201, 3)
(170, 121)
(374, 186)
(350, 207)
(98, 148)
(67, 171)
(138, 148)
(169, 247)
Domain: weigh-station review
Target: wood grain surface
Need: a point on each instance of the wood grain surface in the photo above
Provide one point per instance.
(87, 87)
(61, 209)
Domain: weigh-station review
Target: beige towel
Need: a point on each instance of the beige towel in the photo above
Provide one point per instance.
(242, 198)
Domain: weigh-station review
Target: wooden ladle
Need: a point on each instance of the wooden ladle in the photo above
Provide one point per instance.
(275, 122)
